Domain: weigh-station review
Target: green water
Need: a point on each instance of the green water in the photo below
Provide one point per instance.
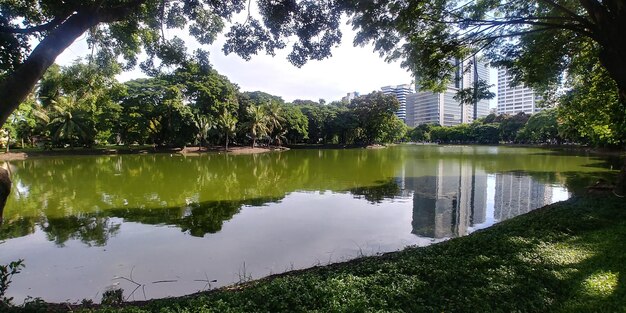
(175, 221)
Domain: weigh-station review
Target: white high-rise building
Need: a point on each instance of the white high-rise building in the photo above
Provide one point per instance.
(426, 107)
(515, 99)
(401, 92)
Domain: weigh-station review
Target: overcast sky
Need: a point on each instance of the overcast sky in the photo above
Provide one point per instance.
(349, 69)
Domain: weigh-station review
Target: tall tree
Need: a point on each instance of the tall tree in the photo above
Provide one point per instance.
(275, 119)
(228, 123)
(374, 111)
(257, 122)
(68, 121)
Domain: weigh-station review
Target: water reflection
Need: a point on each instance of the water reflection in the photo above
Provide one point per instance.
(448, 206)
(92, 218)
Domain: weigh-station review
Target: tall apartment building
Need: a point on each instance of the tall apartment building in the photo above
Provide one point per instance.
(515, 99)
(401, 92)
(426, 107)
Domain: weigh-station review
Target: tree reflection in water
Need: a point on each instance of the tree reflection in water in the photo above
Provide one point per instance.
(82, 198)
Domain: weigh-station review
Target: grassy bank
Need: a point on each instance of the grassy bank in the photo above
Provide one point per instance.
(567, 257)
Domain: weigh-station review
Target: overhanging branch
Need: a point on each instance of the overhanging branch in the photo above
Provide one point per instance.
(34, 29)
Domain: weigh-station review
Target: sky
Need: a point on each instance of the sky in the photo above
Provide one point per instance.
(349, 69)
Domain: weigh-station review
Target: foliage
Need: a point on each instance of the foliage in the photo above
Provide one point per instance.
(257, 122)
(374, 114)
(471, 95)
(296, 124)
(153, 112)
(492, 129)
(541, 127)
(510, 125)
(227, 123)
(113, 297)
(6, 273)
(591, 111)
(538, 42)
(420, 133)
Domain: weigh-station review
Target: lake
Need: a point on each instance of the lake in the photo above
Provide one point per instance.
(166, 225)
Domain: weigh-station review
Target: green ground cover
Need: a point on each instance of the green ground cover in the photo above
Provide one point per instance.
(566, 257)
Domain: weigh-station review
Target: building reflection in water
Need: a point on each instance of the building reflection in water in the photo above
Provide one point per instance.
(517, 194)
(455, 199)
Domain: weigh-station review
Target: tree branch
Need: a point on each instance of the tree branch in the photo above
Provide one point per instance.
(35, 29)
(567, 11)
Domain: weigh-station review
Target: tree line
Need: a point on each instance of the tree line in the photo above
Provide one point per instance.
(83, 105)
(546, 127)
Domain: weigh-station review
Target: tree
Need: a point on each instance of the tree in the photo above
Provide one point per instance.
(296, 124)
(258, 124)
(153, 111)
(511, 125)
(126, 27)
(275, 120)
(392, 130)
(374, 111)
(590, 110)
(486, 133)
(68, 122)
(204, 124)
(228, 124)
(420, 133)
(206, 91)
(541, 128)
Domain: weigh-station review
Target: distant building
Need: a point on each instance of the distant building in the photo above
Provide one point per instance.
(515, 99)
(425, 107)
(350, 96)
(401, 92)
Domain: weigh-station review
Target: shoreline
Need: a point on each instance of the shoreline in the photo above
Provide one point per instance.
(539, 261)
(19, 155)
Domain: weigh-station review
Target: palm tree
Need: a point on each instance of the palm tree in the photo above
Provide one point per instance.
(274, 117)
(227, 123)
(258, 122)
(204, 125)
(68, 122)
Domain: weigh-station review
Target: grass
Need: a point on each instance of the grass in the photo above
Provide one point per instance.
(567, 257)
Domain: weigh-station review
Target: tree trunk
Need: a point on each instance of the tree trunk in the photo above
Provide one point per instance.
(5, 189)
(226, 149)
(17, 86)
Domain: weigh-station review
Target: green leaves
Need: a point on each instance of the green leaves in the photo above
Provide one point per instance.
(6, 273)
